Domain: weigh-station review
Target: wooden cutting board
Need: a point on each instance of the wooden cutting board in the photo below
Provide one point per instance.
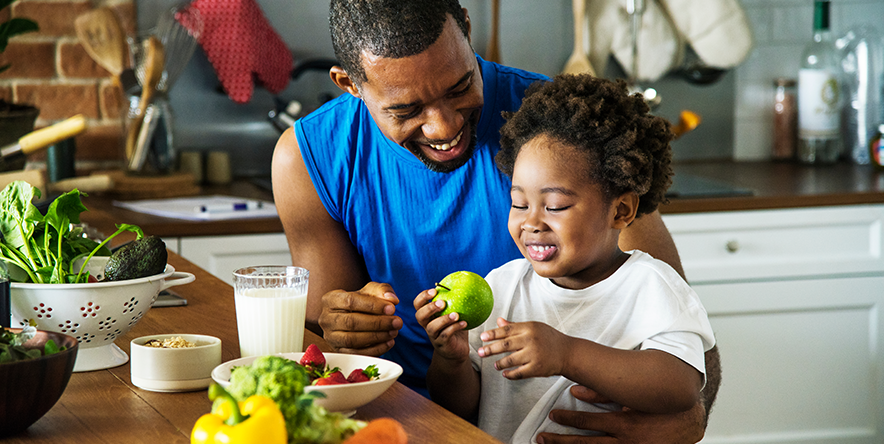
(151, 187)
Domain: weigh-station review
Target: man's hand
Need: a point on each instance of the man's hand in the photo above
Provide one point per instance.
(628, 426)
(361, 322)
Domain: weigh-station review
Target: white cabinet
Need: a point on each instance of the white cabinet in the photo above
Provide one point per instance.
(221, 255)
(796, 299)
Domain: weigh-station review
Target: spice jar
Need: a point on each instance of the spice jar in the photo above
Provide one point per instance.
(785, 127)
(876, 148)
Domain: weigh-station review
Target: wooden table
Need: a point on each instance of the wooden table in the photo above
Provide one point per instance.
(104, 405)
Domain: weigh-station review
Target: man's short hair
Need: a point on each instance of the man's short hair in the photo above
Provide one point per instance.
(387, 28)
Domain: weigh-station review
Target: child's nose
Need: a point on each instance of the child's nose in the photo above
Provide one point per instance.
(532, 223)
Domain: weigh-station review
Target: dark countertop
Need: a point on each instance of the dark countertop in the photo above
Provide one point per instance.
(773, 185)
(781, 185)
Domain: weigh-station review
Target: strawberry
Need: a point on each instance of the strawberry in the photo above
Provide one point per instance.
(360, 375)
(313, 357)
(335, 377)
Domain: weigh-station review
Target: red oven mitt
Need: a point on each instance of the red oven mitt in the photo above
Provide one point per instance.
(239, 41)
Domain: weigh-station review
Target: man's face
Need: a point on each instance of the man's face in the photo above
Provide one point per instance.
(428, 103)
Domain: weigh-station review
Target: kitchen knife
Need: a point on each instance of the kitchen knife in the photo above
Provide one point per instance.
(39, 139)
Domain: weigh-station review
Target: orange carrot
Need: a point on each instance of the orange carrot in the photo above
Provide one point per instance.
(380, 431)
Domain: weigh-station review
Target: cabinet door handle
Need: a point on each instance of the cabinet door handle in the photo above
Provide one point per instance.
(732, 246)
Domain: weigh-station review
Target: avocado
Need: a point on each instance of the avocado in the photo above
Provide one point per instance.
(144, 257)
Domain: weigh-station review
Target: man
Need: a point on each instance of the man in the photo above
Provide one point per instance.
(387, 189)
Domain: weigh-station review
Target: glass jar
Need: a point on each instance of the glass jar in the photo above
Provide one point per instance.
(876, 148)
(785, 127)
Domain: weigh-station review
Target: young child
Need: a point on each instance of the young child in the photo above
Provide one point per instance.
(585, 159)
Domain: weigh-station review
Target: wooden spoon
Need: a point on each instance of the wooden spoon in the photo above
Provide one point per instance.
(579, 61)
(154, 62)
(492, 52)
(103, 38)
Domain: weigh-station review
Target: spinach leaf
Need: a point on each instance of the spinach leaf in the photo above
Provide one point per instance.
(45, 247)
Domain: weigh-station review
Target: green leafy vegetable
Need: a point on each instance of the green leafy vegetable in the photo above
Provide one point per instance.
(45, 247)
(12, 348)
(283, 381)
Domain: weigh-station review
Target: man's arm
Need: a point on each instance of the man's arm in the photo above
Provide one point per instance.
(316, 241)
(649, 234)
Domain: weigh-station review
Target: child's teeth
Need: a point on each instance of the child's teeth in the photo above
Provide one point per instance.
(539, 248)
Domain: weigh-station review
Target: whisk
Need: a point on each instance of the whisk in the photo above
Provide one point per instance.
(178, 29)
(179, 41)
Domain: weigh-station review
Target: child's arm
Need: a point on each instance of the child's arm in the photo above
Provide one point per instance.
(646, 380)
(451, 379)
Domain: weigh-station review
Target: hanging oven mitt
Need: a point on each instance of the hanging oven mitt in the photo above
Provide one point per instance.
(239, 42)
(659, 45)
(718, 31)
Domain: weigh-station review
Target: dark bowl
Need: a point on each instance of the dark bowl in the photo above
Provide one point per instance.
(28, 389)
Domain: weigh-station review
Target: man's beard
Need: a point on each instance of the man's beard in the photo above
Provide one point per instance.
(451, 165)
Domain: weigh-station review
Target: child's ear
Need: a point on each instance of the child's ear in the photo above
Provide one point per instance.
(625, 209)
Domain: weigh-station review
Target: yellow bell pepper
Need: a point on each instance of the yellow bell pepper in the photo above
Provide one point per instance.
(255, 420)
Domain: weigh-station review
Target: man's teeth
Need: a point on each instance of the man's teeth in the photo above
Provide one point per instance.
(447, 146)
(539, 248)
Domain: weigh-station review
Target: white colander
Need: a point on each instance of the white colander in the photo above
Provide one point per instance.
(94, 313)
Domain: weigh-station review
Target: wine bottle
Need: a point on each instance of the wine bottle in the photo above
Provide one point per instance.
(819, 94)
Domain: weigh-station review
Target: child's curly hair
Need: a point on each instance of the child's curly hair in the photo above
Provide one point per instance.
(626, 148)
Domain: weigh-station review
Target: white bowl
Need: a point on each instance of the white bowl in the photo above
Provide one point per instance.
(95, 313)
(174, 369)
(338, 398)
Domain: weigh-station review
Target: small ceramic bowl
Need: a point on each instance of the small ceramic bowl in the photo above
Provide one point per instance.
(174, 369)
(344, 398)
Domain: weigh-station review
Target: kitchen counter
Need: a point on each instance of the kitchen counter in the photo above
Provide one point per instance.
(104, 215)
(777, 185)
(104, 405)
(773, 185)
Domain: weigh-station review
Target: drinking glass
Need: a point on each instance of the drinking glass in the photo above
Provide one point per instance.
(271, 306)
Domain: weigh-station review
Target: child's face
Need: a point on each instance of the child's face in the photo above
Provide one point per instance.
(559, 219)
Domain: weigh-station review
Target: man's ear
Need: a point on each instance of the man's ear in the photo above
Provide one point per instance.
(625, 208)
(343, 81)
(466, 17)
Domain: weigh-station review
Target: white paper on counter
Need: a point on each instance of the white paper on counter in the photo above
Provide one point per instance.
(189, 207)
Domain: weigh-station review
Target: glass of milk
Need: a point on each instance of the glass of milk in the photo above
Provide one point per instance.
(271, 305)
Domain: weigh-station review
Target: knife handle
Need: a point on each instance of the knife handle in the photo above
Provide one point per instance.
(52, 134)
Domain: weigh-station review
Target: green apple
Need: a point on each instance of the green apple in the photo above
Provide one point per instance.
(467, 294)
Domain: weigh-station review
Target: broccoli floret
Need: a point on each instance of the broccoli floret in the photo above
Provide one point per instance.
(283, 381)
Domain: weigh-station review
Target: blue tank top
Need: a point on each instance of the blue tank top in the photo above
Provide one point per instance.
(411, 225)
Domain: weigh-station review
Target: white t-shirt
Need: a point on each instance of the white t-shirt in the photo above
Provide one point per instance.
(645, 304)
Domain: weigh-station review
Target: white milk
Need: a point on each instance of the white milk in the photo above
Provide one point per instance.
(270, 320)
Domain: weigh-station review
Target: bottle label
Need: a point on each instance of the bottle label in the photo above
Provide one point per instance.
(819, 113)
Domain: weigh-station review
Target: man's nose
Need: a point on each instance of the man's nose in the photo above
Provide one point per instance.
(442, 124)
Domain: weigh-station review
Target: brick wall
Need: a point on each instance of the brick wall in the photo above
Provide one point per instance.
(52, 71)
